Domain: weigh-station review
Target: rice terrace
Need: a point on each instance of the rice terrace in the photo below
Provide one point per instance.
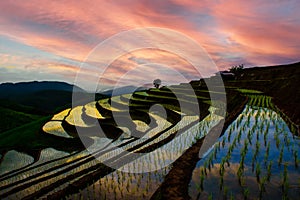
(256, 156)
(149, 100)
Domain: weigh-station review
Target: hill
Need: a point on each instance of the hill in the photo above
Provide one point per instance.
(12, 89)
(25, 102)
(280, 82)
(122, 90)
(38, 97)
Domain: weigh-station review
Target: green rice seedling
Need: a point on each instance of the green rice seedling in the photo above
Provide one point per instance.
(94, 191)
(288, 143)
(215, 153)
(244, 128)
(227, 158)
(280, 156)
(231, 196)
(209, 167)
(249, 136)
(255, 99)
(257, 135)
(205, 166)
(99, 190)
(239, 136)
(246, 143)
(285, 183)
(244, 151)
(223, 142)
(242, 161)
(210, 197)
(202, 171)
(231, 128)
(210, 161)
(225, 192)
(115, 192)
(222, 169)
(269, 171)
(286, 139)
(277, 140)
(221, 182)
(234, 142)
(296, 159)
(265, 137)
(248, 118)
(230, 149)
(88, 192)
(250, 99)
(252, 163)
(257, 145)
(257, 172)
(240, 174)
(277, 128)
(256, 118)
(268, 125)
(285, 172)
(265, 99)
(80, 195)
(127, 184)
(201, 182)
(246, 193)
(219, 146)
(229, 135)
(262, 187)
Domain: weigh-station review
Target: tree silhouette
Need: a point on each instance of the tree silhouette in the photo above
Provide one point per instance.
(236, 69)
(156, 83)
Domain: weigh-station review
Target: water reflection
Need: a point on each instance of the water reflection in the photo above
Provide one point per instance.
(257, 157)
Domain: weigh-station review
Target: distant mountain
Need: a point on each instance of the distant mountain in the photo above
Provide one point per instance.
(122, 90)
(45, 96)
(8, 89)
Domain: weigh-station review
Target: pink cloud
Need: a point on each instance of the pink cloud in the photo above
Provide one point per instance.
(255, 32)
(260, 28)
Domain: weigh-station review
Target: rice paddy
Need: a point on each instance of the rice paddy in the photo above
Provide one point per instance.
(257, 157)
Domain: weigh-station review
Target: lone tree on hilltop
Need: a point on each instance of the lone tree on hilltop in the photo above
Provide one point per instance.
(157, 83)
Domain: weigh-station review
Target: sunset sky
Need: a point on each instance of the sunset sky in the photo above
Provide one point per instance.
(48, 40)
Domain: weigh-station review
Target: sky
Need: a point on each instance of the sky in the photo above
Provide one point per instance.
(61, 40)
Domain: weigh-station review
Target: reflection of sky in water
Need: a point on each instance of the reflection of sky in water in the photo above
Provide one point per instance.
(257, 121)
(121, 184)
(13, 160)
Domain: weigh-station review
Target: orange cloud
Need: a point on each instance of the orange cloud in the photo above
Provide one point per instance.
(260, 28)
(232, 32)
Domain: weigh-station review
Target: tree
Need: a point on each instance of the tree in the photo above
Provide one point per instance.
(237, 68)
(156, 83)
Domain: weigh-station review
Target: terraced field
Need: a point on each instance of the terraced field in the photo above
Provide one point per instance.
(135, 130)
(142, 134)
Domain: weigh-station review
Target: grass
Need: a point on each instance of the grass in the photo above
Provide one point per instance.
(11, 118)
(130, 97)
(26, 136)
(30, 137)
(178, 92)
(104, 103)
(247, 91)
